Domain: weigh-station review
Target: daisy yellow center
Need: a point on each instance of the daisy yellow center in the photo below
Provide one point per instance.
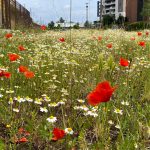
(69, 129)
(10, 99)
(51, 117)
(117, 110)
(8, 126)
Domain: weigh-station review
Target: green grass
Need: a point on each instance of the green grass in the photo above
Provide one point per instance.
(66, 72)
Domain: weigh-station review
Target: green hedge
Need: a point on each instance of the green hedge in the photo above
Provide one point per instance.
(137, 26)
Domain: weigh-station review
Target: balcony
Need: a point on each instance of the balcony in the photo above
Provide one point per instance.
(111, 3)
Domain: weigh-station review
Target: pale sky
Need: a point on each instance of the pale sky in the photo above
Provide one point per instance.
(44, 11)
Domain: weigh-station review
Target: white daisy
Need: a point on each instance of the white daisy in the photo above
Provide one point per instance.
(10, 101)
(90, 113)
(16, 110)
(43, 109)
(69, 131)
(110, 122)
(84, 108)
(51, 119)
(81, 101)
(125, 103)
(61, 103)
(20, 100)
(53, 105)
(118, 111)
(29, 99)
(38, 101)
(117, 126)
(9, 92)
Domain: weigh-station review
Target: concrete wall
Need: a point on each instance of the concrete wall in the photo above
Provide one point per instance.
(15, 15)
(0, 14)
(13, 23)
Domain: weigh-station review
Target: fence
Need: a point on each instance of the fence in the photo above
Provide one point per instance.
(14, 14)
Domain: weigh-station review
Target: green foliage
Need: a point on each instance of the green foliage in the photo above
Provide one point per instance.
(58, 26)
(51, 25)
(61, 20)
(120, 20)
(87, 24)
(65, 73)
(146, 8)
(108, 20)
(137, 26)
(2, 145)
(76, 26)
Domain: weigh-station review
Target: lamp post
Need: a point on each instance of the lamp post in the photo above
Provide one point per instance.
(87, 9)
(70, 12)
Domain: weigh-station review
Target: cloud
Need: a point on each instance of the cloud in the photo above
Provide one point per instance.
(67, 6)
(47, 10)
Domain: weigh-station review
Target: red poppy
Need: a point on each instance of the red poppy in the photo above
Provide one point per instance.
(21, 130)
(43, 27)
(23, 69)
(142, 43)
(132, 38)
(58, 134)
(147, 33)
(99, 38)
(13, 57)
(102, 93)
(5, 74)
(23, 140)
(1, 73)
(21, 48)
(27, 133)
(8, 35)
(62, 39)
(139, 33)
(29, 74)
(124, 62)
(109, 45)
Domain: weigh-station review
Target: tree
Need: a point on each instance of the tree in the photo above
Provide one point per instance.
(146, 10)
(76, 26)
(120, 20)
(51, 25)
(61, 20)
(108, 20)
(87, 24)
(58, 26)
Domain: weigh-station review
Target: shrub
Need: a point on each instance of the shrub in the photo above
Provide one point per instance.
(137, 26)
(76, 26)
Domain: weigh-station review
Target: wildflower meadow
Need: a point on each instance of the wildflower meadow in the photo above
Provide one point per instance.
(74, 90)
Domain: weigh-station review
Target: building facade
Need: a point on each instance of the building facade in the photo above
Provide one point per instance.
(114, 8)
(13, 14)
(131, 9)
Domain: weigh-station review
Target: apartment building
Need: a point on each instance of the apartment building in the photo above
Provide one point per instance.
(114, 8)
(131, 9)
(134, 9)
